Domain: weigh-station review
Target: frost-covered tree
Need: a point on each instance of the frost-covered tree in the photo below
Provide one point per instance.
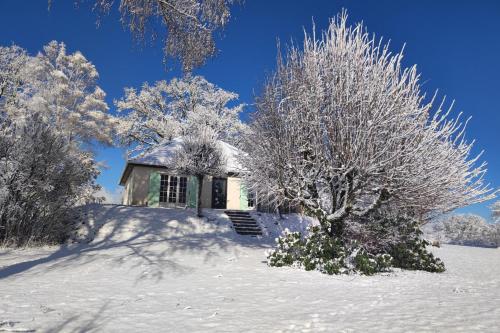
(12, 63)
(200, 155)
(160, 112)
(62, 88)
(42, 177)
(343, 130)
(495, 211)
(464, 229)
(51, 110)
(190, 24)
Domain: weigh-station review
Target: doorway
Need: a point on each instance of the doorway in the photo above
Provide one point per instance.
(219, 193)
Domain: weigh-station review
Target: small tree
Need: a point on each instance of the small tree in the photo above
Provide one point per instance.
(200, 156)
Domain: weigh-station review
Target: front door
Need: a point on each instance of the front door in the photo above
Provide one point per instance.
(219, 192)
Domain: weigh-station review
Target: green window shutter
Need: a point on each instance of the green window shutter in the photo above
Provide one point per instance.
(154, 189)
(243, 197)
(192, 189)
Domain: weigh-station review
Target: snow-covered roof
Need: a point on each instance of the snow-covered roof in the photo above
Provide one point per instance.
(163, 155)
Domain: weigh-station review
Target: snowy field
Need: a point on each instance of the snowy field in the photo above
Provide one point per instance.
(160, 270)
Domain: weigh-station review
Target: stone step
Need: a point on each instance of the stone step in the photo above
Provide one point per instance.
(239, 219)
(243, 223)
(250, 233)
(242, 220)
(246, 228)
(234, 212)
(240, 216)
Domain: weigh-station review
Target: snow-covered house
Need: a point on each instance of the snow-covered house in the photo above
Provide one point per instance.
(148, 181)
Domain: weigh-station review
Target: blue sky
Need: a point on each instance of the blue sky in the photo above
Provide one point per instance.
(456, 45)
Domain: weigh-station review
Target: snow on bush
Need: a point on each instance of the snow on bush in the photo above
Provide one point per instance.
(343, 131)
(317, 250)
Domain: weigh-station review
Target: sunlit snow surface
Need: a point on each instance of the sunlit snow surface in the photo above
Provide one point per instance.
(163, 270)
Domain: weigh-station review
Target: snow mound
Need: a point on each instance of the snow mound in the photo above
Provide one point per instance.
(165, 270)
(273, 225)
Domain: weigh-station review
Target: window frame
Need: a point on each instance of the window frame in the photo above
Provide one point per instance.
(251, 199)
(170, 196)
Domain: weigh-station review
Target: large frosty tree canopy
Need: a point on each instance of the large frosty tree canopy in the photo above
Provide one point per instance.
(160, 112)
(343, 129)
(60, 86)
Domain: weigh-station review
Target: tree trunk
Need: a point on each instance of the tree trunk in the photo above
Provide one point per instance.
(200, 187)
(331, 228)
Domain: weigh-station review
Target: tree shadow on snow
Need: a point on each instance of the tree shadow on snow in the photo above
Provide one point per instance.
(93, 324)
(153, 239)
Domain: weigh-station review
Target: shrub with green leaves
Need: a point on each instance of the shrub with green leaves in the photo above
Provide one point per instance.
(333, 255)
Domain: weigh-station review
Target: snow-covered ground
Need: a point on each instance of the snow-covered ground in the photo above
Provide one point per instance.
(163, 270)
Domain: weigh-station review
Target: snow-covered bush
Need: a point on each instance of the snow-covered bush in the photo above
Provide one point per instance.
(343, 131)
(410, 252)
(317, 250)
(464, 229)
(42, 177)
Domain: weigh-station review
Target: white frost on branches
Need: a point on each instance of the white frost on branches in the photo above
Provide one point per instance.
(51, 109)
(200, 155)
(342, 129)
(190, 24)
(160, 112)
(62, 88)
(42, 178)
(12, 63)
(464, 229)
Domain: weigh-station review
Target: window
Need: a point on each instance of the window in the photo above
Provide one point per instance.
(163, 188)
(251, 199)
(182, 189)
(173, 189)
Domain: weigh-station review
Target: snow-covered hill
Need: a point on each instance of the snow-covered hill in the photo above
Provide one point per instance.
(164, 270)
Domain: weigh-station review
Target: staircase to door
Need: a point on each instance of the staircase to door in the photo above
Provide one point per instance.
(243, 223)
